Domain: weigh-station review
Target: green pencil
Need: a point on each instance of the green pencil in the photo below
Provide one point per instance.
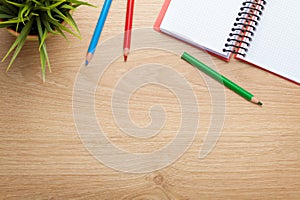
(221, 79)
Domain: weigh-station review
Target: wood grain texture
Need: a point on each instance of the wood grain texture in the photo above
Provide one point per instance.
(42, 157)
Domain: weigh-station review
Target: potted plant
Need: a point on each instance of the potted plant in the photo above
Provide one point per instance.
(37, 19)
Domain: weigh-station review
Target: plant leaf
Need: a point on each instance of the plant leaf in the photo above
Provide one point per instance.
(79, 3)
(16, 4)
(51, 6)
(62, 27)
(10, 21)
(23, 10)
(10, 7)
(5, 10)
(43, 65)
(5, 16)
(5, 25)
(42, 52)
(42, 34)
(45, 22)
(16, 53)
(66, 19)
(47, 3)
(68, 7)
(44, 49)
(21, 38)
(36, 2)
(43, 38)
(28, 11)
(73, 21)
(62, 33)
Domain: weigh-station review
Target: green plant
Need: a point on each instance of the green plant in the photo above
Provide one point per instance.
(33, 17)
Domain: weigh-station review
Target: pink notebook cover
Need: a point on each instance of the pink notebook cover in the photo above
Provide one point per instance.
(161, 15)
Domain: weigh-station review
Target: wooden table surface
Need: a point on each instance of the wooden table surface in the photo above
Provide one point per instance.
(257, 155)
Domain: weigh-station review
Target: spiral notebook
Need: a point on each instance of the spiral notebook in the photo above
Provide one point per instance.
(265, 33)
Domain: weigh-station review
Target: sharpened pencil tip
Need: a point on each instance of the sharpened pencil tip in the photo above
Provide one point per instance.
(125, 53)
(260, 103)
(88, 58)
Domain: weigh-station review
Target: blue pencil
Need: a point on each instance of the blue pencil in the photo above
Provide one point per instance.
(97, 31)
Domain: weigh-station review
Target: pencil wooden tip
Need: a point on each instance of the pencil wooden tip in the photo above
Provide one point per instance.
(256, 101)
(126, 53)
(88, 58)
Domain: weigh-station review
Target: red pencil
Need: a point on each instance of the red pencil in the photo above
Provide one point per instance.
(128, 28)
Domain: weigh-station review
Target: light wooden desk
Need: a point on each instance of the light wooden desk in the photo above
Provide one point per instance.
(41, 156)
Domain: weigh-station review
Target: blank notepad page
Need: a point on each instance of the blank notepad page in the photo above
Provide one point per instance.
(276, 43)
(204, 23)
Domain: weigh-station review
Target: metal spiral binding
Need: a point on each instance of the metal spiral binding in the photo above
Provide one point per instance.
(244, 27)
